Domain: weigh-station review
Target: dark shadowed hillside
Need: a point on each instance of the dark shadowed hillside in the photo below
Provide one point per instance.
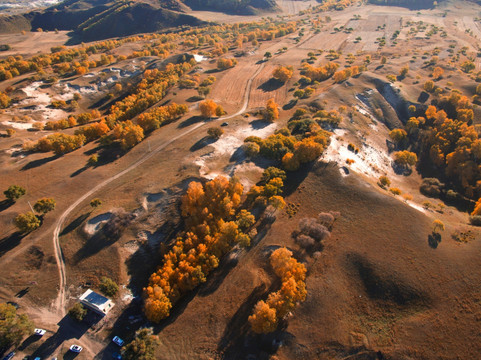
(102, 19)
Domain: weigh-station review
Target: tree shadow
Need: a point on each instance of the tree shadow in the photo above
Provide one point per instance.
(290, 104)
(379, 67)
(237, 341)
(75, 223)
(191, 121)
(22, 292)
(434, 239)
(217, 277)
(36, 163)
(212, 71)
(10, 242)
(259, 124)
(295, 178)
(195, 98)
(271, 85)
(423, 97)
(5, 204)
(108, 154)
(401, 170)
(205, 141)
(67, 329)
(79, 171)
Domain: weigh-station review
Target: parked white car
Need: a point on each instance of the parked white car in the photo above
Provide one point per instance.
(39, 332)
(76, 348)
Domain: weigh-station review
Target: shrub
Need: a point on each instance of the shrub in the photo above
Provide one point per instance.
(438, 226)
(475, 220)
(431, 187)
(77, 312)
(95, 203)
(251, 149)
(384, 182)
(395, 191)
(108, 286)
(326, 219)
(305, 241)
(215, 132)
(310, 226)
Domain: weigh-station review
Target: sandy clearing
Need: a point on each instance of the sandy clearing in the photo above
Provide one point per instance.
(225, 147)
(93, 225)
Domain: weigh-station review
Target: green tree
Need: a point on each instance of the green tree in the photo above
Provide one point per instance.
(27, 222)
(44, 205)
(108, 286)
(272, 172)
(142, 347)
(13, 327)
(245, 219)
(14, 192)
(77, 312)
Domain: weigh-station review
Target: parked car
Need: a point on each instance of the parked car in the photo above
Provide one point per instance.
(116, 356)
(76, 348)
(224, 124)
(118, 341)
(39, 332)
(9, 355)
(38, 358)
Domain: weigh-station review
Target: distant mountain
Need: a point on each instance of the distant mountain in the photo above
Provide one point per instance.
(102, 19)
(411, 4)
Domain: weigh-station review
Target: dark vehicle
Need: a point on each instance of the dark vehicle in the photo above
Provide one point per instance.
(14, 304)
(9, 356)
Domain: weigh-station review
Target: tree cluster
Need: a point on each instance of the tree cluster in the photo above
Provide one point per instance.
(319, 73)
(267, 314)
(13, 327)
(208, 210)
(283, 73)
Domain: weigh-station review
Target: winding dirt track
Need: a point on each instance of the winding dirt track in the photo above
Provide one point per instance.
(59, 303)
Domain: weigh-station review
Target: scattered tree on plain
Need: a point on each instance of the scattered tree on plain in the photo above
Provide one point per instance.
(27, 222)
(44, 205)
(14, 192)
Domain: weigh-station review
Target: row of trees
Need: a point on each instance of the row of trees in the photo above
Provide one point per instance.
(342, 75)
(211, 231)
(267, 314)
(76, 60)
(321, 73)
(72, 120)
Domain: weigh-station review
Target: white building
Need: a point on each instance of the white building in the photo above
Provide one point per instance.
(96, 302)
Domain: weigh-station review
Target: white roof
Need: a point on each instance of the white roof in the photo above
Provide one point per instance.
(96, 302)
